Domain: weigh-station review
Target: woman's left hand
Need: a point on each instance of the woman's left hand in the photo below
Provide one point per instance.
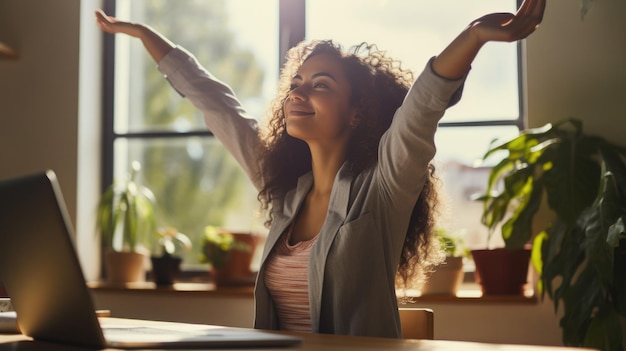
(455, 60)
(509, 27)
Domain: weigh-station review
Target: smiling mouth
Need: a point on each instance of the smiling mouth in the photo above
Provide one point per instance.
(298, 113)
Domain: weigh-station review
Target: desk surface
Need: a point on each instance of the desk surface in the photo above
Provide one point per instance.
(311, 342)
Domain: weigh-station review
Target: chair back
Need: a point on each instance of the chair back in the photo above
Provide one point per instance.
(417, 323)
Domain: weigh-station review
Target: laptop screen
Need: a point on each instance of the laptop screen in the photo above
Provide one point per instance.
(38, 263)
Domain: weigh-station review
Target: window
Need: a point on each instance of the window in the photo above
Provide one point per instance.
(196, 182)
(414, 31)
(242, 42)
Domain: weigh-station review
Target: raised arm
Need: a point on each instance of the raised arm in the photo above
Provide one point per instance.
(223, 113)
(455, 60)
(156, 44)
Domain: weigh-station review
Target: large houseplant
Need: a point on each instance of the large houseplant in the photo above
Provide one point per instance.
(126, 215)
(580, 254)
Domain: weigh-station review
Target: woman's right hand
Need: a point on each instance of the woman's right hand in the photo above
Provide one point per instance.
(112, 25)
(156, 44)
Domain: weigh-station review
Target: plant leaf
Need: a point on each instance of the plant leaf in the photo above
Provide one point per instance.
(571, 182)
(518, 230)
(519, 146)
(562, 253)
(616, 232)
(535, 258)
(579, 301)
(599, 255)
(619, 278)
(604, 331)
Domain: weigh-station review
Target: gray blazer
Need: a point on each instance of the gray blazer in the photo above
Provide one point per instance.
(353, 263)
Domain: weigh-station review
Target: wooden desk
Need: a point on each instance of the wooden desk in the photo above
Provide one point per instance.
(311, 342)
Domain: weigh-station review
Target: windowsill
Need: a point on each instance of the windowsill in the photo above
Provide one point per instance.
(469, 293)
(207, 288)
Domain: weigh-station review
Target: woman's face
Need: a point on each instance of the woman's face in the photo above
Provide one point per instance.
(317, 109)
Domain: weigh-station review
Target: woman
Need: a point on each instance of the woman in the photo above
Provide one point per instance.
(343, 168)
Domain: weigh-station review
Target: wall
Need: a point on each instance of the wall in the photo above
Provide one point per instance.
(38, 91)
(49, 118)
(188, 307)
(577, 68)
(50, 103)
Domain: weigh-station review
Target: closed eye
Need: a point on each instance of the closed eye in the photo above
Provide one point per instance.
(319, 80)
(318, 85)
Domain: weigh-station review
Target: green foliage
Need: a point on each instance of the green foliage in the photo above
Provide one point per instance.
(203, 28)
(452, 245)
(581, 255)
(126, 214)
(170, 238)
(195, 179)
(216, 244)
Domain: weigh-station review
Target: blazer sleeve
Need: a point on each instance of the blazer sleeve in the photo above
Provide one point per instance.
(408, 146)
(222, 111)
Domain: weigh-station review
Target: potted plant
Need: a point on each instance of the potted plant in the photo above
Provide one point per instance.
(229, 255)
(580, 254)
(166, 265)
(125, 215)
(502, 270)
(446, 278)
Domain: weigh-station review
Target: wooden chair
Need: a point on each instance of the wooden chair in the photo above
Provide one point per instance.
(417, 323)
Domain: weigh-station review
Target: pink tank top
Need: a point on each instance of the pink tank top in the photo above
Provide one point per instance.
(286, 278)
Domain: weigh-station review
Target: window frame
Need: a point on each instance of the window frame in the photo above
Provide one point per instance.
(292, 27)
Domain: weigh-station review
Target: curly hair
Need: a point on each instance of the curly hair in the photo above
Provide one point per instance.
(379, 85)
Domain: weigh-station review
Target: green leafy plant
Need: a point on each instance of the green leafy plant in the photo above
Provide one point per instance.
(216, 245)
(581, 254)
(451, 245)
(169, 239)
(126, 214)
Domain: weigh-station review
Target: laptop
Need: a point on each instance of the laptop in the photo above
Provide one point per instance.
(40, 269)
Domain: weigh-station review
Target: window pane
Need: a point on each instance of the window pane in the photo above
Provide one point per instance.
(415, 30)
(196, 183)
(459, 154)
(219, 33)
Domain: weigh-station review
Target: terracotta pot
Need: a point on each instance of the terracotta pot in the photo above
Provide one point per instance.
(165, 269)
(501, 271)
(237, 269)
(446, 278)
(124, 267)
